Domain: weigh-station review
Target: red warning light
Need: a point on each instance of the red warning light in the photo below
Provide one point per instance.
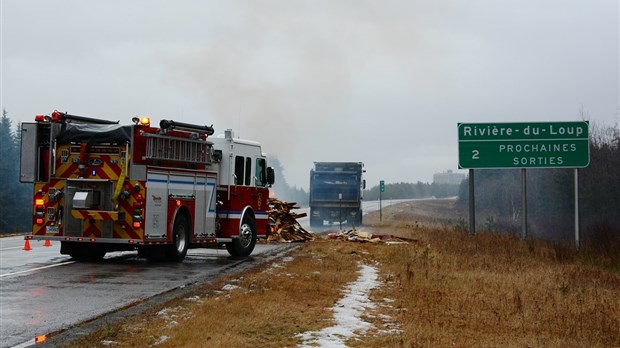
(57, 116)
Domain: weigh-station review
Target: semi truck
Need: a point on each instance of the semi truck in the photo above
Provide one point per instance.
(336, 193)
(100, 186)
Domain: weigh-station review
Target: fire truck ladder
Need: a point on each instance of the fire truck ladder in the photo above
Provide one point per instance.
(168, 148)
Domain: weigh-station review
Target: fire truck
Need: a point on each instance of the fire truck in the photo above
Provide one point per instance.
(100, 186)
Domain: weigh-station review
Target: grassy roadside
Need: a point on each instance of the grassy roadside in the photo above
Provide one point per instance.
(445, 289)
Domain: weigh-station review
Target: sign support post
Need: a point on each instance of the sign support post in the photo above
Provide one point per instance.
(472, 204)
(524, 204)
(577, 208)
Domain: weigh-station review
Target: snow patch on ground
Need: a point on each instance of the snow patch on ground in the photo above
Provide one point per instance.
(348, 313)
(161, 340)
(229, 287)
(277, 265)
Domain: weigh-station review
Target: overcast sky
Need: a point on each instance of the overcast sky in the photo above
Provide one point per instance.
(382, 82)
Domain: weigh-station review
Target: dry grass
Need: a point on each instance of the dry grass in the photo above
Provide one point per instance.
(255, 309)
(448, 289)
(490, 290)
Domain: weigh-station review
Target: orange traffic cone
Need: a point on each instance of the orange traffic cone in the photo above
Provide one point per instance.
(47, 243)
(27, 245)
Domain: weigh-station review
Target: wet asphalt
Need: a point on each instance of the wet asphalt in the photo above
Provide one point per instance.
(44, 293)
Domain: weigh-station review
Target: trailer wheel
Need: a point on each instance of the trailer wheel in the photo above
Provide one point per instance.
(180, 239)
(244, 245)
(315, 221)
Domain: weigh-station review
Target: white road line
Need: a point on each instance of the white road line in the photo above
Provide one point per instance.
(17, 247)
(36, 269)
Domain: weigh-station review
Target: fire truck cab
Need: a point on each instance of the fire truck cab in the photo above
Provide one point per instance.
(100, 186)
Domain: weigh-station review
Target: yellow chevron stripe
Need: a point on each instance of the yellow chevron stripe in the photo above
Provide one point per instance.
(95, 214)
(63, 168)
(122, 233)
(107, 169)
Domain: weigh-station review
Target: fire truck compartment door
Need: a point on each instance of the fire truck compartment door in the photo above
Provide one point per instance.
(204, 219)
(156, 205)
(28, 164)
(161, 185)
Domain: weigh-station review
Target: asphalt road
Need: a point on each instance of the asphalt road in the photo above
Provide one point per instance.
(43, 292)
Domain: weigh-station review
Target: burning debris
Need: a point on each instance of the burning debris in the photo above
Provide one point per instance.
(284, 222)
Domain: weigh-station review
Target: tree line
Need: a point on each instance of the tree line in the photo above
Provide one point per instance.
(15, 197)
(404, 190)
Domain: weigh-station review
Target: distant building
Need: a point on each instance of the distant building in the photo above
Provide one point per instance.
(448, 177)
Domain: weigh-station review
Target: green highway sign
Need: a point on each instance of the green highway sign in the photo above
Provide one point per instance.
(524, 145)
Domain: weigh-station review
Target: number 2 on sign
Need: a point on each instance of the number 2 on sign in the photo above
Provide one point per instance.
(475, 154)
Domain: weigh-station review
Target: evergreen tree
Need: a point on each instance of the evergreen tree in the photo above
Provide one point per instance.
(281, 187)
(15, 198)
(7, 165)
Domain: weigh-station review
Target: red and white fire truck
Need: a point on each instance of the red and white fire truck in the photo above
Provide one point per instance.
(100, 186)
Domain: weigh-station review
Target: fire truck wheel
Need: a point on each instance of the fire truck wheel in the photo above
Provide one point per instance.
(244, 245)
(180, 240)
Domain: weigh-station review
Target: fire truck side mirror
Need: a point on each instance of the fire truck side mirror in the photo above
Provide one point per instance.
(271, 176)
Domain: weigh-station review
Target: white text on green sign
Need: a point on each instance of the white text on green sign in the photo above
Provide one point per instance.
(524, 145)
